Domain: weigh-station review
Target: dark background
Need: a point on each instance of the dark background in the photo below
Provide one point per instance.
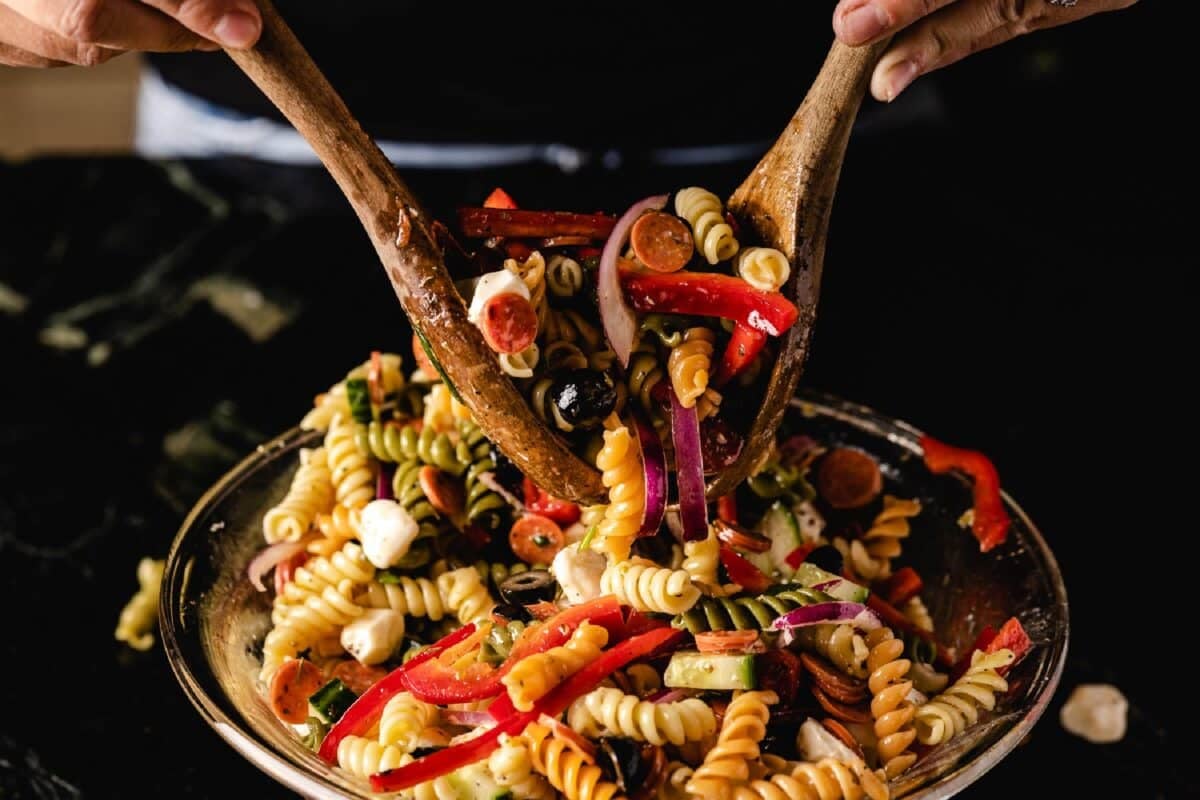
(1006, 270)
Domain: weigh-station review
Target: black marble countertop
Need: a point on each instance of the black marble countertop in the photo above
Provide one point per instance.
(1003, 271)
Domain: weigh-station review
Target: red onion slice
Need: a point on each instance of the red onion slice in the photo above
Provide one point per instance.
(856, 614)
(383, 482)
(488, 479)
(668, 696)
(654, 471)
(270, 557)
(689, 471)
(469, 719)
(620, 322)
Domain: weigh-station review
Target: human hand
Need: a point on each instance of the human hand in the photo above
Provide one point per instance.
(931, 34)
(54, 33)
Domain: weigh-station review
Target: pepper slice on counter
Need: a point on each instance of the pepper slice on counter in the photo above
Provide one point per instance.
(525, 224)
(991, 521)
(553, 704)
(709, 294)
(745, 343)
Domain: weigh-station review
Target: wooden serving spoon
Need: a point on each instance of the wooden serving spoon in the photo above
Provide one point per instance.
(786, 200)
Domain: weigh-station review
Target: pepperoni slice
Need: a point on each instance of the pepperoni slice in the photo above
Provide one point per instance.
(295, 681)
(741, 538)
(779, 671)
(833, 682)
(422, 360)
(536, 539)
(843, 734)
(508, 322)
(358, 677)
(444, 493)
(661, 241)
(848, 478)
(841, 711)
(728, 642)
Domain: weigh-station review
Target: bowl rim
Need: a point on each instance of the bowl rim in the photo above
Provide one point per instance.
(177, 574)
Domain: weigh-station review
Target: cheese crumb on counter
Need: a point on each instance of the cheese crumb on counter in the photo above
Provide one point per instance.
(1096, 712)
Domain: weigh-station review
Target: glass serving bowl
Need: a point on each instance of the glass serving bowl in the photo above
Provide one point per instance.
(213, 622)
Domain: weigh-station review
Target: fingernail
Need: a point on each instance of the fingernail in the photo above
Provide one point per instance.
(864, 23)
(899, 77)
(237, 29)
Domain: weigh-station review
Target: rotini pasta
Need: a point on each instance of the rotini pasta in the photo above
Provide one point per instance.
(701, 559)
(512, 766)
(535, 676)
(948, 714)
(841, 644)
(136, 624)
(364, 757)
(403, 719)
(566, 769)
(485, 508)
(611, 712)
(647, 587)
(917, 613)
(621, 466)
(644, 373)
(871, 555)
(764, 268)
(414, 597)
(689, 365)
(890, 707)
(406, 488)
(399, 443)
(310, 494)
(532, 272)
(745, 613)
(352, 475)
(727, 764)
(571, 327)
(522, 364)
(564, 276)
(442, 412)
(827, 779)
(337, 527)
(713, 235)
(464, 595)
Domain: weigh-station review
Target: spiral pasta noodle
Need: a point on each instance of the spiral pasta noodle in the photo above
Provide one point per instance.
(727, 764)
(352, 475)
(512, 766)
(892, 711)
(414, 597)
(464, 595)
(364, 757)
(620, 465)
(565, 325)
(827, 779)
(688, 365)
(841, 644)
(764, 268)
(406, 488)
(564, 276)
(642, 679)
(648, 587)
(566, 769)
(871, 555)
(611, 712)
(395, 443)
(700, 562)
(713, 235)
(485, 508)
(319, 574)
(674, 783)
(534, 677)
(949, 714)
(916, 612)
(403, 719)
(441, 411)
(532, 272)
(745, 613)
(644, 373)
(337, 527)
(522, 364)
(310, 494)
(136, 623)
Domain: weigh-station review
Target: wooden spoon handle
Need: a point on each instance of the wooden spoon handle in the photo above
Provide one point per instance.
(786, 200)
(398, 227)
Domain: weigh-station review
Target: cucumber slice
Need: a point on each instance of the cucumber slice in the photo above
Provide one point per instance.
(779, 525)
(835, 586)
(437, 365)
(711, 671)
(475, 782)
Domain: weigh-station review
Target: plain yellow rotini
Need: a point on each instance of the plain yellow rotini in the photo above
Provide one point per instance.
(333, 402)
(620, 463)
(764, 268)
(952, 711)
(135, 626)
(841, 644)
(566, 325)
(647, 587)
(511, 765)
(522, 364)
(871, 555)
(892, 711)
(310, 494)
(713, 235)
(403, 719)
(917, 613)
(644, 373)
(564, 275)
(532, 272)
(727, 764)
(352, 474)
(415, 597)
(674, 783)
(535, 676)
(464, 595)
(642, 679)
(364, 757)
(611, 712)
(320, 573)
(442, 412)
(566, 769)
(827, 779)
(339, 526)
(689, 365)
(700, 562)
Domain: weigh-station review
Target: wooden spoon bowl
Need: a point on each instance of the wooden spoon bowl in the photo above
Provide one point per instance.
(786, 201)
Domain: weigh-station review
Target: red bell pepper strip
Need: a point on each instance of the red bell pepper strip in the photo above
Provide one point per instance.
(437, 682)
(744, 346)
(893, 618)
(499, 199)
(742, 572)
(902, 586)
(517, 249)
(1011, 636)
(991, 522)
(709, 294)
(553, 704)
(564, 512)
(797, 557)
(727, 508)
(525, 224)
(366, 710)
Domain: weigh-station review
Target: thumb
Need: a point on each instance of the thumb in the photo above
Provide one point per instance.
(235, 24)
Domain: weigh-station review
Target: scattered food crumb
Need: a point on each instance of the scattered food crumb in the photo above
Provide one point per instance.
(1096, 712)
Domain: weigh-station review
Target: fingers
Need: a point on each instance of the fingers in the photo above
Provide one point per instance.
(233, 23)
(27, 45)
(118, 24)
(966, 27)
(859, 22)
